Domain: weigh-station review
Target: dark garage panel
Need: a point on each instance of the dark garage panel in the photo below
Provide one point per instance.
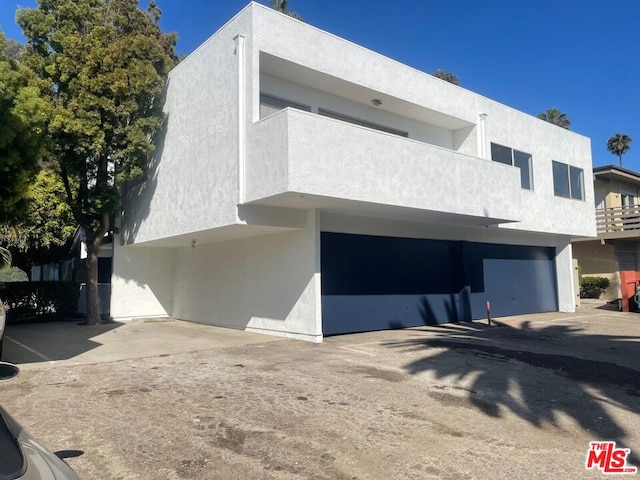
(375, 283)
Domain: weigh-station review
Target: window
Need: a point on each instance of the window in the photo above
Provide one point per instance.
(628, 200)
(568, 181)
(270, 104)
(509, 156)
(363, 123)
(628, 194)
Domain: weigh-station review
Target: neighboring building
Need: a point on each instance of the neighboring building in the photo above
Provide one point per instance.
(74, 269)
(308, 186)
(615, 253)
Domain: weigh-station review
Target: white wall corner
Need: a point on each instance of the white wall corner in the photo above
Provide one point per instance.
(565, 277)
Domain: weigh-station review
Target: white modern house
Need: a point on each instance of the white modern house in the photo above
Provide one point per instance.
(306, 186)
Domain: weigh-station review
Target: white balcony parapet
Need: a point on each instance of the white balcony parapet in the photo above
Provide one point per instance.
(293, 155)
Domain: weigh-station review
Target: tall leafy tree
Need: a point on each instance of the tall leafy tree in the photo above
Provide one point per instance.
(22, 120)
(41, 237)
(14, 49)
(283, 7)
(557, 117)
(447, 76)
(619, 144)
(104, 65)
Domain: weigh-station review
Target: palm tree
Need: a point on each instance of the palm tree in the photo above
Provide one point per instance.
(619, 145)
(447, 76)
(282, 6)
(555, 116)
(5, 258)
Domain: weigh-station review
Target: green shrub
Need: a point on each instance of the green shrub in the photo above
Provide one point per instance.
(593, 287)
(27, 299)
(13, 274)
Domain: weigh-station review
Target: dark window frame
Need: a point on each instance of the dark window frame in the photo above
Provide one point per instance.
(574, 176)
(280, 103)
(513, 151)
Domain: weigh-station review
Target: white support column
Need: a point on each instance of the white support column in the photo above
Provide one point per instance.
(564, 273)
(317, 278)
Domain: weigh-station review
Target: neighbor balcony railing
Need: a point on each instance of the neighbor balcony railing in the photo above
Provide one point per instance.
(618, 219)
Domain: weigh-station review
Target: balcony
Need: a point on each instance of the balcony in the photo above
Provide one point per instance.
(298, 159)
(618, 222)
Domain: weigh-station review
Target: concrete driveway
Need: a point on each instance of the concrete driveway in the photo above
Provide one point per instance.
(69, 343)
(521, 400)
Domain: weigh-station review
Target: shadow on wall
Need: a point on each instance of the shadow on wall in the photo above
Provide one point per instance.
(521, 371)
(375, 283)
(456, 306)
(143, 267)
(234, 282)
(438, 309)
(137, 193)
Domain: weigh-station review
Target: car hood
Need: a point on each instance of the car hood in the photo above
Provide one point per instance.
(38, 462)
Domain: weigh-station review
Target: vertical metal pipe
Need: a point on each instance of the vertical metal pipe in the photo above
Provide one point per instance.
(239, 39)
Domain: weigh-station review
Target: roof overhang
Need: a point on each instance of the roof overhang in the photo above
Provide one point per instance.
(612, 172)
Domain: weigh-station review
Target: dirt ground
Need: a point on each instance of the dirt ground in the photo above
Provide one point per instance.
(521, 400)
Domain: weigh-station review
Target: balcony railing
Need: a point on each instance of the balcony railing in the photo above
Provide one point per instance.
(618, 220)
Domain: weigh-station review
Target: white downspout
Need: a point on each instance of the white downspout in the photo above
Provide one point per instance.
(482, 150)
(239, 39)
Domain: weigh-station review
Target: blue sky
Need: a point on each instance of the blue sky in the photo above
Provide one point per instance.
(581, 56)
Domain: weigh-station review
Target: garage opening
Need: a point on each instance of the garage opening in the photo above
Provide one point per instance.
(379, 283)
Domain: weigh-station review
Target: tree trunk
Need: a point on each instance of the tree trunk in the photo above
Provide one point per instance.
(93, 299)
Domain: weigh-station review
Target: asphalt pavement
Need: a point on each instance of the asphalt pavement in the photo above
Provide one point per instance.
(170, 400)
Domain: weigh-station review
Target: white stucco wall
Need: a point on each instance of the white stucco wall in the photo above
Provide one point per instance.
(193, 182)
(368, 73)
(294, 151)
(271, 282)
(317, 99)
(268, 284)
(542, 210)
(141, 282)
(198, 175)
(565, 277)
(279, 35)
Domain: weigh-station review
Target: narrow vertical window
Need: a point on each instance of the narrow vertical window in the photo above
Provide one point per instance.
(576, 183)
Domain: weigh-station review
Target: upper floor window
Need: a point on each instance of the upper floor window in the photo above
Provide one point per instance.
(363, 123)
(568, 181)
(627, 199)
(270, 104)
(516, 158)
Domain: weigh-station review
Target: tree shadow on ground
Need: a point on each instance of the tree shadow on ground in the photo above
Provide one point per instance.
(539, 374)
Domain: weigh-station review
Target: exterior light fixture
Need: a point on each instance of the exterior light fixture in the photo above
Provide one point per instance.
(193, 243)
(376, 102)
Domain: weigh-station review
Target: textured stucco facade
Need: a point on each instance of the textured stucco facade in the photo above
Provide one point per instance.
(235, 201)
